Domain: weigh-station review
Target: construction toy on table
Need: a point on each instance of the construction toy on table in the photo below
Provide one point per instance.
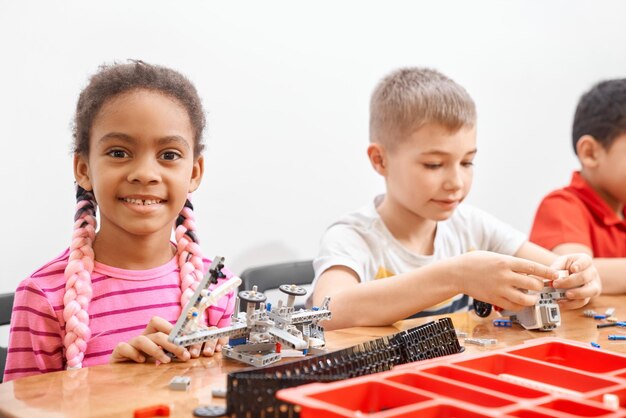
(257, 335)
(191, 328)
(152, 411)
(501, 322)
(180, 383)
(263, 330)
(480, 341)
(544, 377)
(545, 315)
(251, 393)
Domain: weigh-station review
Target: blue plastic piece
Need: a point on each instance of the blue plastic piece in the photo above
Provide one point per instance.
(599, 317)
(502, 323)
(268, 306)
(596, 345)
(305, 351)
(236, 341)
(617, 337)
(315, 308)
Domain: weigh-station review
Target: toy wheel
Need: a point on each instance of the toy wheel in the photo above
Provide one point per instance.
(252, 296)
(482, 309)
(292, 289)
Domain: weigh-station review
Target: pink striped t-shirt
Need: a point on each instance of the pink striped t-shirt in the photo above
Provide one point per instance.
(123, 303)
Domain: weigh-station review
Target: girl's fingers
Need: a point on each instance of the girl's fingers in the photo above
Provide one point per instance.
(146, 345)
(209, 348)
(194, 350)
(209, 345)
(160, 340)
(124, 352)
(221, 342)
(158, 324)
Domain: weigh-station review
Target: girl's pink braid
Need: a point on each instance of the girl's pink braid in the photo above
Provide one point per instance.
(189, 253)
(78, 290)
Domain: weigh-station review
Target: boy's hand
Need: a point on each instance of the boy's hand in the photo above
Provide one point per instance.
(501, 280)
(151, 343)
(582, 283)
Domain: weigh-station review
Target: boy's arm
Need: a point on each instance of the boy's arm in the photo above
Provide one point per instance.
(379, 302)
(611, 270)
(534, 252)
(484, 275)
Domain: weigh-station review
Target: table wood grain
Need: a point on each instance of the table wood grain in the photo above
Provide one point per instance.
(116, 390)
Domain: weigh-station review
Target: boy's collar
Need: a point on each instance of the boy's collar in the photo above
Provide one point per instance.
(592, 199)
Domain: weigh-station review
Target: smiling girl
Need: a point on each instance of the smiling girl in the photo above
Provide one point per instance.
(114, 294)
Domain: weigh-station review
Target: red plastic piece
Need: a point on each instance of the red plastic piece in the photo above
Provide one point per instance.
(278, 347)
(544, 377)
(152, 411)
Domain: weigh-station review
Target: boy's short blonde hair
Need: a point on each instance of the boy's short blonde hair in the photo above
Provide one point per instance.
(409, 98)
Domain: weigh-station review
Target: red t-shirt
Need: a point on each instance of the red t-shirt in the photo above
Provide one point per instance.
(577, 214)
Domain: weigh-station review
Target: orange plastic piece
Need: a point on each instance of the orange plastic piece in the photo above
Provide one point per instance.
(153, 411)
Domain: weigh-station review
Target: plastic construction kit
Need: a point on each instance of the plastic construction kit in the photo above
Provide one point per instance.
(544, 377)
(545, 315)
(251, 393)
(152, 411)
(257, 335)
(180, 383)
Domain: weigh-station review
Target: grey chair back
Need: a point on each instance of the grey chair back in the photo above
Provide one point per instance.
(271, 276)
(6, 306)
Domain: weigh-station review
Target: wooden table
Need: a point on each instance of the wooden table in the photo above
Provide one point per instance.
(117, 390)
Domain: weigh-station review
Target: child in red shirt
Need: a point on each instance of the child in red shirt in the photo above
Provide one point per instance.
(588, 215)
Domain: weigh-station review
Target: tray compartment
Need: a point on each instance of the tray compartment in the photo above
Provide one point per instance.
(620, 393)
(442, 411)
(575, 408)
(537, 375)
(532, 413)
(581, 358)
(450, 390)
(368, 397)
(479, 379)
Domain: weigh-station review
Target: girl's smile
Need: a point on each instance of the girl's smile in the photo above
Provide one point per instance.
(141, 168)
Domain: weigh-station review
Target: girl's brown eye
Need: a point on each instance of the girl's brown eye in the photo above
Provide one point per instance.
(170, 155)
(117, 153)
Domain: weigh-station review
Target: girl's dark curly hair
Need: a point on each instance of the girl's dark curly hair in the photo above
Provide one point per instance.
(116, 79)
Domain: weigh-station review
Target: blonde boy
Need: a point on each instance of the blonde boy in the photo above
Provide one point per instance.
(588, 215)
(439, 251)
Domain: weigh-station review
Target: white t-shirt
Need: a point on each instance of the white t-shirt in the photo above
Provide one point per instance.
(362, 242)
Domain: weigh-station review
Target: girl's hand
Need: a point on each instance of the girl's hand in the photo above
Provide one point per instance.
(210, 347)
(582, 283)
(151, 343)
(502, 280)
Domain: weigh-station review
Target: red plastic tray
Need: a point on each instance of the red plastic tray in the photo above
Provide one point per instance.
(544, 377)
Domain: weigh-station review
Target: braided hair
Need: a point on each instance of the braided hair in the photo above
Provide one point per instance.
(111, 81)
(188, 252)
(78, 279)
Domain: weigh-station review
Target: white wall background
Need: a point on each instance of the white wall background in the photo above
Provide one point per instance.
(286, 86)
